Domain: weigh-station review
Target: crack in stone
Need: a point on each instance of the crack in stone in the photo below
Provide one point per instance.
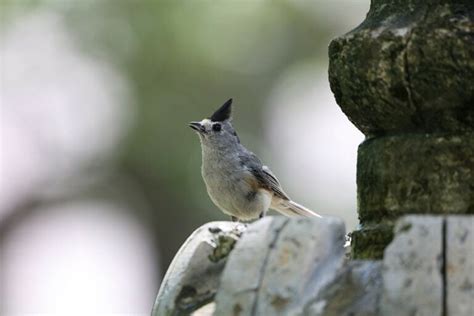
(407, 77)
(264, 266)
(444, 269)
(407, 72)
(254, 289)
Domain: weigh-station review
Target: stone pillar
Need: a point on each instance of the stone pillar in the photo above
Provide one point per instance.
(405, 78)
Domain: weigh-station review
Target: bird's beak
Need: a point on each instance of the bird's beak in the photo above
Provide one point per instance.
(197, 126)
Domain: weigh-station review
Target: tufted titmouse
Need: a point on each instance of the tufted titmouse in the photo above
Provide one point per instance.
(236, 180)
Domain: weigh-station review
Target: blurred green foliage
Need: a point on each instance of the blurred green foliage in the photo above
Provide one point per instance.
(181, 60)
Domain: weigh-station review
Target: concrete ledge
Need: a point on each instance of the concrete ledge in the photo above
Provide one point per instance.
(296, 266)
(279, 265)
(193, 276)
(412, 268)
(459, 265)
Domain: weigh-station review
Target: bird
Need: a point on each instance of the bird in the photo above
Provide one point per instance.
(237, 182)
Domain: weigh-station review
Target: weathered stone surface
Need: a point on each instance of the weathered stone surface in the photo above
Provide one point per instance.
(405, 78)
(409, 67)
(241, 279)
(412, 268)
(410, 174)
(193, 277)
(370, 240)
(399, 175)
(354, 292)
(306, 256)
(280, 264)
(206, 310)
(296, 266)
(460, 265)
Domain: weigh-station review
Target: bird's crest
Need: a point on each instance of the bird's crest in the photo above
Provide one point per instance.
(223, 113)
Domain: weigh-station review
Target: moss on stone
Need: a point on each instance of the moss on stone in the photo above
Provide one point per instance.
(407, 68)
(415, 174)
(225, 244)
(410, 174)
(369, 242)
(406, 227)
(405, 78)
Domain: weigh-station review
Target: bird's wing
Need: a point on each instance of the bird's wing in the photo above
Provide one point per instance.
(263, 174)
(271, 180)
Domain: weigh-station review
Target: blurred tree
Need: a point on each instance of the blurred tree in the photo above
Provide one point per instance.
(182, 60)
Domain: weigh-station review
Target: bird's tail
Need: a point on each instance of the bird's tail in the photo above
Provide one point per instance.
(291, 208)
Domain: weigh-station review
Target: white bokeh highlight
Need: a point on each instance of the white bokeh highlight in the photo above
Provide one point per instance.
(62, 114)
(313, 143)
(61, 110)
(80, 258)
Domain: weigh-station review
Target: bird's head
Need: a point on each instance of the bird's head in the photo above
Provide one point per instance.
(217, 129)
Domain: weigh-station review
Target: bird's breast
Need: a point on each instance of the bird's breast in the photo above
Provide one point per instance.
(234, 189)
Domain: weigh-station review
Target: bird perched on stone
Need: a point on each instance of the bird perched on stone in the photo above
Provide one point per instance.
(236, 180)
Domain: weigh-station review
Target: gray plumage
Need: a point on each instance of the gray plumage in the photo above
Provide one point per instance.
(236, 180)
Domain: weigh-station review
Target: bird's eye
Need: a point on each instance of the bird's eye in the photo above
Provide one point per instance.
(216, 127)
